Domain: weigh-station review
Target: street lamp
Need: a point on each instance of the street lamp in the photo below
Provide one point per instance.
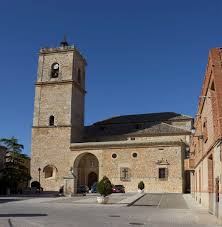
(193, 131)
(39, 169)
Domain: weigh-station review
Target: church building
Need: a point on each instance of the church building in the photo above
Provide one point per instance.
(128, 149)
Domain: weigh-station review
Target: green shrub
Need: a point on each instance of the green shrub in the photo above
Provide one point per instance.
(141, 185)
(104, 187)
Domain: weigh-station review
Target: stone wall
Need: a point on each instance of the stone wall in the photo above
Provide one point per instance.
(50, 146)
(145, 166)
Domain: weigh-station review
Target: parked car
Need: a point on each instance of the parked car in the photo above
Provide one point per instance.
(118, 189)
(94, 188)
(82, 189)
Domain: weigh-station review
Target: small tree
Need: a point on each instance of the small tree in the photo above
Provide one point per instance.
(141, 185)
(104, 187)
(14, 171)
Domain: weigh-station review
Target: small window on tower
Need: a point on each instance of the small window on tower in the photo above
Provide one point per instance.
(79, 76)
(54, 70)
(51, 121)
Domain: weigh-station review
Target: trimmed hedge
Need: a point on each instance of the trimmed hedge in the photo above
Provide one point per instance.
(141, 185)
(104, 187)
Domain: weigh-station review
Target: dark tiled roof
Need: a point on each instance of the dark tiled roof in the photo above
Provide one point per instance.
(139, 118)
(136, 125)
(160, 129)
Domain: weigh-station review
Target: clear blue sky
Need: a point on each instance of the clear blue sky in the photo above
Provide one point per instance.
(143, 56)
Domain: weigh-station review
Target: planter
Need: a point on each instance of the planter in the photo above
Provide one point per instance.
(102, 199)
(141, 191)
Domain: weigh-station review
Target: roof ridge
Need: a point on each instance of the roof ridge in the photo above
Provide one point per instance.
(173, 126)
(146, 117)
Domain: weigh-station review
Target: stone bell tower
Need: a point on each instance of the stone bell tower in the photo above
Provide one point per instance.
(58, 112)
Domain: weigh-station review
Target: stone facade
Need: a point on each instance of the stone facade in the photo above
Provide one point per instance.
(150, 156)
(206, 142)
(127, 149)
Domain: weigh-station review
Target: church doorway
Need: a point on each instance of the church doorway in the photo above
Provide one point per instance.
(86, 167)
(92, 178)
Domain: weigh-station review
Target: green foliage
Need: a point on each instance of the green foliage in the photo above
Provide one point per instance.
(141, 185)
(104, 187)
(11, 176)
(14, 171)
(12, 145)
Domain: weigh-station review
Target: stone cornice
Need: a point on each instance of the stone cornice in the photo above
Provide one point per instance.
(122, 144)
(162, 162)
(45, 51)
(51, 83)
(52, 127)
(157, 134)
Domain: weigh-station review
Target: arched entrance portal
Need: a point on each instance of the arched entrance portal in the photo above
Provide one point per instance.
(87, 169)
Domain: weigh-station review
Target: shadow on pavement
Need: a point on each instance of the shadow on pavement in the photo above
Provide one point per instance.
(22, 215)
(9, 200)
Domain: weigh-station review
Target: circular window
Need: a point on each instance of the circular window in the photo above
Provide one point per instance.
(114, 155)
(134, 155)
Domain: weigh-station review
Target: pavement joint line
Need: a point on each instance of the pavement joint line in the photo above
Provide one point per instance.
(160, 201)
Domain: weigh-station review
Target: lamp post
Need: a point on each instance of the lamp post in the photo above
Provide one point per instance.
(193, 131)
(39, 169)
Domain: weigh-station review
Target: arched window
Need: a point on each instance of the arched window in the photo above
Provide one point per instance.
(50, 171)
(55, 70)
(79, 76)
(51, 120)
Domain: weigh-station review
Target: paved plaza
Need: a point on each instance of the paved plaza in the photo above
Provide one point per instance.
(151, 210)
(167, 201)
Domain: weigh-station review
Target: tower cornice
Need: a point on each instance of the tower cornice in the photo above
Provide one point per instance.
(46, 51)
(51, 83)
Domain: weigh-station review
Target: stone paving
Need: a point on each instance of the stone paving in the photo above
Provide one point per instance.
(58, 212)
(115, 198)
(91, 199)
(167, 201)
